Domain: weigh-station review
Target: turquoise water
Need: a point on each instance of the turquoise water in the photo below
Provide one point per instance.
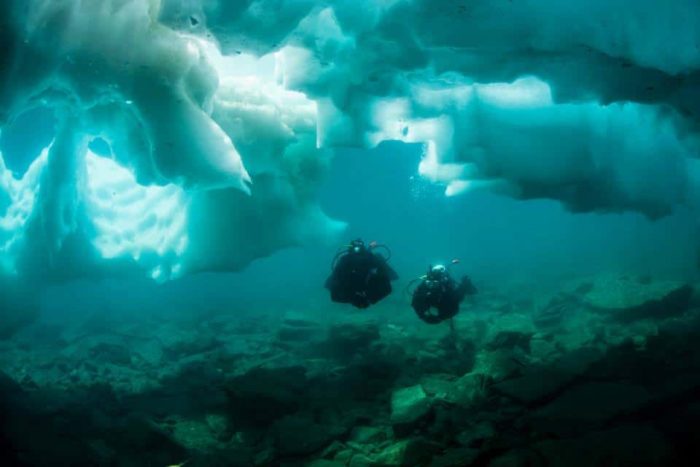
(176, 178)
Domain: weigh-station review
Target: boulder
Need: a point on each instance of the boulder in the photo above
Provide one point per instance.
(627, 298)
(409, 407)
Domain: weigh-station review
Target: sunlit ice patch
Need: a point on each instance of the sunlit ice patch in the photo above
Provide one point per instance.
(524, 92)
(147, 224)
(17, 201)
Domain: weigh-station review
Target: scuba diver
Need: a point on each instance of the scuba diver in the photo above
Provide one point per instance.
(438, 296)
(360, 276)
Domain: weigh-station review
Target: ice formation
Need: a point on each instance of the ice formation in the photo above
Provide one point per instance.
(218, 116)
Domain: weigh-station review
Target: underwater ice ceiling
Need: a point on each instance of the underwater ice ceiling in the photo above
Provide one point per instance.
(191, 135)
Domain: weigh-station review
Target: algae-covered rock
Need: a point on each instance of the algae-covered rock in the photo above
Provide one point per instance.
(409, 406)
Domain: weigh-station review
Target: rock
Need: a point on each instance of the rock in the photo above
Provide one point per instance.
(332, 450)
(556, 310)
(263, 395)
(150, 351)
(297, 328)
(265, 457)
(587, 405)
(110, 353)
(441, 387)
(368, 434)
(362, 460)
(624, 445)
(454, 457)
(476, 435)
(499, 364)
(536, 385)
(178, 343)
(347, 339)
(300, 435)
(219, 426)
(510, 339)
(470, 389)
(409, 407)
(344, 456)
(409, 452)
(627, 298)
(578, 361)
(194, 435)
(543, 350)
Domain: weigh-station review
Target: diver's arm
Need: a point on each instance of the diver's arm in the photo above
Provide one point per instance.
(465, 288)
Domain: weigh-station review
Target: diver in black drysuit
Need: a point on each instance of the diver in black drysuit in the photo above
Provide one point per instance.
(360, 276)
(438, 296)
